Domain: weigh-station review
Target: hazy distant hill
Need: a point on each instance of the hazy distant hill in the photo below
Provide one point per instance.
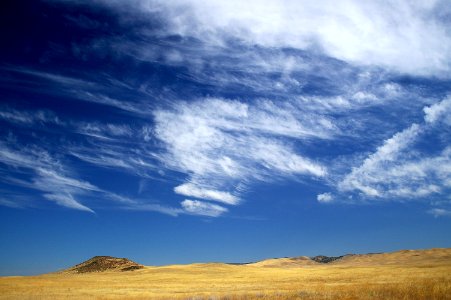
(403, 257)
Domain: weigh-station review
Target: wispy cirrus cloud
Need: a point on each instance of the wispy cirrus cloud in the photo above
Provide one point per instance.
(33, 168)
(399, 170)
(392, 35)
(28, 117)
(227, 94)
(440, 111)
(104, 131)
(221, 143)
(365, 177)
(46, 175)
(135, 107)
(202, 208)
(171, 211)
(62, 186)
(325, 198)
(440, 212)
(76, 87)
(12, 200)
(118, 156)
(189, 189)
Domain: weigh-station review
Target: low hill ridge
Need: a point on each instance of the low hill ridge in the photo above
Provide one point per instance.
(285, 262)
(103, 264)
(402, 257)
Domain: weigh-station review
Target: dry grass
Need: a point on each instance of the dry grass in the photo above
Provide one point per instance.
(418, 280)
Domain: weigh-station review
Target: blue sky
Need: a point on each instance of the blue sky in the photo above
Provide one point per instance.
(183, 131)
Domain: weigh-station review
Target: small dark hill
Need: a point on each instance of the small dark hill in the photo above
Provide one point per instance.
(103, 264)
(327, 259)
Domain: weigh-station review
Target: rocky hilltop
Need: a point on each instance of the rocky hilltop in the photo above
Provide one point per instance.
(327, 259)
(103, 264)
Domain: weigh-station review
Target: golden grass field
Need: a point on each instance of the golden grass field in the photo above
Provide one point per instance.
(404, 274)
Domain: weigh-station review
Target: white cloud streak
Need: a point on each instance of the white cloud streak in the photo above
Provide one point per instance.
(67, 201)
(405, 36)
(202, 208)
(11, 202)
(189, 189)
(28, 117)
(439, 111)
(325, 198)
(51, 177)
(221, 143)
(440, 212)
(46, 176)
(104, 131)
(171, 211)
(373, 170)
(78, 89)
(114, 154)
(134, 107)
(273, 48)
(399, 170)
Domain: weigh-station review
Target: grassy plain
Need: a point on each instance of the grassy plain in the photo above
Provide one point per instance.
(399, 275)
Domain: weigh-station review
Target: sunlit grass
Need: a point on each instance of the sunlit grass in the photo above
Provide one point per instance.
(421, 280)
(239, 282)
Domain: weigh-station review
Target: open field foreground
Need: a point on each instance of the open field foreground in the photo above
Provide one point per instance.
(399, 275)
